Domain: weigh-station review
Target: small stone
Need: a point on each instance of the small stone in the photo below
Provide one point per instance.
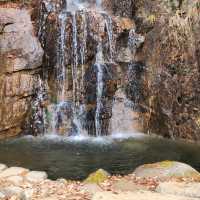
(91, 188)
(98, 176)
(28, 193)
(2, 196)
(126, 185)
(13, 171)
(17, 180)
(36, 176)
(13, 190)
(2, 167)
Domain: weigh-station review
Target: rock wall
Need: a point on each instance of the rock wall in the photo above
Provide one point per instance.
(171, 55)
(20, 59)
(170, 92)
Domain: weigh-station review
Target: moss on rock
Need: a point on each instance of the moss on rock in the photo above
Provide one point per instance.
(98, 176)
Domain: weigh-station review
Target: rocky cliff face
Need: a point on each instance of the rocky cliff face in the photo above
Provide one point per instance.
(171, 55)
(163, 79)
(20, 59)
(170, 95)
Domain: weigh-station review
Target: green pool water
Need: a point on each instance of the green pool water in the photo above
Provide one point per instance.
(75, 158)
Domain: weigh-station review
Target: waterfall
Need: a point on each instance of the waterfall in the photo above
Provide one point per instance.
(72, 24)
(109, 27)
(75, 60)
(61, 68)
(83, 48)
(100, 86)
(98, 3)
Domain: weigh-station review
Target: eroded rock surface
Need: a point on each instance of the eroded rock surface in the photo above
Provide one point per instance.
(171, 55)
(21, 56)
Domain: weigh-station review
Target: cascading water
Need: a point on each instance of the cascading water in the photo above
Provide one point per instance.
(75, 61)
(109, 27)
(82, 99)
(83, 49)
(100, 85)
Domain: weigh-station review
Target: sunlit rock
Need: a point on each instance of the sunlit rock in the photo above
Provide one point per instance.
(36, 176)
(12, 190)
(17, 180)
(13, 171)
(21, 56)
(2, 167)
(167, 169)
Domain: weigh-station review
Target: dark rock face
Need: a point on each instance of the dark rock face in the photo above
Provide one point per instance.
(123, 8)
(169, 92)
(20, 57)
(171, 55)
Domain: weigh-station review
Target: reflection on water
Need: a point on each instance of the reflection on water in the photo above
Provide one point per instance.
(75, 158)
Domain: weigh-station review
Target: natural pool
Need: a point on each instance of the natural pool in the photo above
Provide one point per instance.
(75, 158)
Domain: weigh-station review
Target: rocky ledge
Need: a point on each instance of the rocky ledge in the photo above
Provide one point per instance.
(17, 183)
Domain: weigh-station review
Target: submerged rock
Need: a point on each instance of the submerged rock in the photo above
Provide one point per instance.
(167, 169)
(98, 176)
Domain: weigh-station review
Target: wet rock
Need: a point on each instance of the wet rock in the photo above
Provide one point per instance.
(36, 176)
(97, 177)
(124, 118)
(166, 169)
(181, 189)
(13, 171)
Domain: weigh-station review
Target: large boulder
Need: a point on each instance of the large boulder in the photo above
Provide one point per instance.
(166, 170)
(19, 48)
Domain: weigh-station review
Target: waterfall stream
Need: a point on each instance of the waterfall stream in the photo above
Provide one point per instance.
(72, 103)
